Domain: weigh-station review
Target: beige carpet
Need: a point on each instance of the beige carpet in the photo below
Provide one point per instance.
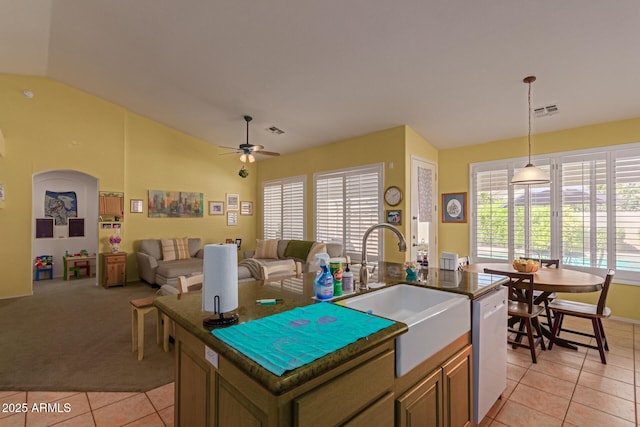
(76, 336)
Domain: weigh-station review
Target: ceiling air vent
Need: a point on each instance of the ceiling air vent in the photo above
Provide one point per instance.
(548, 110)
(274, 130)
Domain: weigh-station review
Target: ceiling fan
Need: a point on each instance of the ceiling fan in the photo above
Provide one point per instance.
(247, 150)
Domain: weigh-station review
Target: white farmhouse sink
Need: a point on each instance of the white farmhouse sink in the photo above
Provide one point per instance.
(435, 318)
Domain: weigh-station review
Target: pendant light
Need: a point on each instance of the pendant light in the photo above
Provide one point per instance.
(530, 174)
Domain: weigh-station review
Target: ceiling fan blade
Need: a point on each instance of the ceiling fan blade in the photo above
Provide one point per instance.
(229, 148)
(269, 153)
(256, 148)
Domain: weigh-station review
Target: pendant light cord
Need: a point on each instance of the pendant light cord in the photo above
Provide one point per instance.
(529, 113)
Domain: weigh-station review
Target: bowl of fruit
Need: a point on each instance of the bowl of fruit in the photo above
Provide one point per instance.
(526, 265)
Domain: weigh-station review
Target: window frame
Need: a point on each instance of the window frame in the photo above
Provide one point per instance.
(355, 253)
(283, 182)
(609, 215)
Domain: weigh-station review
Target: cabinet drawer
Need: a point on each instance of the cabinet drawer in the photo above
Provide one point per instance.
(337, 400)
(115, 259)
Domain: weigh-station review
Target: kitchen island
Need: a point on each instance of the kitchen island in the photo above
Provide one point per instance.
(218, 386)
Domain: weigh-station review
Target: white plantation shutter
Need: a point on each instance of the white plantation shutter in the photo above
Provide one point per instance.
(347, 202)
(491, 213)
(627, 218)
(588, 216)
(583, 211)
(283, 215)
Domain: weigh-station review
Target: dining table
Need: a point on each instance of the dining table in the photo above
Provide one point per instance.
(548, 280)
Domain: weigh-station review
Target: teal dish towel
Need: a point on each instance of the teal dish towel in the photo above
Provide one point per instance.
(293, 338)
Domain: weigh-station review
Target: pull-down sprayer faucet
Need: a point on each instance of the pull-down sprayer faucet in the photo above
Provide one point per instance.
(364, 273)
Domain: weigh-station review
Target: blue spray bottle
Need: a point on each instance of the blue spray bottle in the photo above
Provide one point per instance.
(323, 285)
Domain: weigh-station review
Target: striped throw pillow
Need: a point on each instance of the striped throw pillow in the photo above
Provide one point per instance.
(173, 249)
(266, 249)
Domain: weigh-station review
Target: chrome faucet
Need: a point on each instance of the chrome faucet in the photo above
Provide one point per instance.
(364, 273)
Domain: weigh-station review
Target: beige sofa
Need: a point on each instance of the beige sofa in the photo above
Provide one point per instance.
(250, 267)
(153, 269)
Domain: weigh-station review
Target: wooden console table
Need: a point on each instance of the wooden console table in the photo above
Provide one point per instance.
(74, 264)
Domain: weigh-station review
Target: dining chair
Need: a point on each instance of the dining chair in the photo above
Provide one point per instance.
(549, 263)
(593, 312)
(522, 309)
(190, 283)
(186, 284)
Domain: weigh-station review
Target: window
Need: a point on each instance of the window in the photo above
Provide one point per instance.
(588, 216)
(347, 203)
(284, 213)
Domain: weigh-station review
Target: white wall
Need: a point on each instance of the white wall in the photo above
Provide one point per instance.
(86, 189)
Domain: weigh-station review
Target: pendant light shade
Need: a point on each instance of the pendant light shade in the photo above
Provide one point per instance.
(530, 174)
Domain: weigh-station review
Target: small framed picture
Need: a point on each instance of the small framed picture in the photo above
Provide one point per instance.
(233, 201)
(228, 241)
(454, 207)
(246, 208)
(136, 206)
(232, 218)
(238, 243)
(216, 208)
(394, 216)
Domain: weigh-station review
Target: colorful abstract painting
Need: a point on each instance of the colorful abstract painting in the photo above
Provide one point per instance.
(60, 206)
(177, 204)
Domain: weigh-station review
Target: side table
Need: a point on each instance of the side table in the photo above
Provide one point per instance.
(114, 268)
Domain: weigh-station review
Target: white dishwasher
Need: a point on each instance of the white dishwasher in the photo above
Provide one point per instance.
(489, 339)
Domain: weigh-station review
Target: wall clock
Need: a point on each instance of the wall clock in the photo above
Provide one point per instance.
(393, 196)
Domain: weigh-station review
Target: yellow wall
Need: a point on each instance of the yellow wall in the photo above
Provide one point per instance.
(63, 128)
(393, 147)
(454, 177)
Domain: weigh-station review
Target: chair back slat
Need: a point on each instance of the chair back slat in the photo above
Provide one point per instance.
(602, 301)
(520, 286)
(546, 262)
(185, 283)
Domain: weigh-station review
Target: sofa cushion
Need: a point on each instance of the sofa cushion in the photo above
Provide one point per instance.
(175, 249)
(185, 267)
(298, 249)
(317, 248)
(266, 249)
(152, 248)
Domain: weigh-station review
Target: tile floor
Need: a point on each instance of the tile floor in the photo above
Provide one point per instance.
(565, 388)
(573, 388)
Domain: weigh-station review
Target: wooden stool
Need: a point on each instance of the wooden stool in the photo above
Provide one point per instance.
(139, 308)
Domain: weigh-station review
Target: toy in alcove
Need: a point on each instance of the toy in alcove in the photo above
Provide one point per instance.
(44, 262)
(83, 252)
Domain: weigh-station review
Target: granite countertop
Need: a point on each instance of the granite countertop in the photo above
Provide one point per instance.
(186, 310)
(473, 285)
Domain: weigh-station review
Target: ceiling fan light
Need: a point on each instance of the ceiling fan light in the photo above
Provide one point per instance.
(529, 175)
(251, 158)
(243, 158)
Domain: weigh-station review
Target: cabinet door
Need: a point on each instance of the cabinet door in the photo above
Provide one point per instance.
(458, 389)
(422, 405)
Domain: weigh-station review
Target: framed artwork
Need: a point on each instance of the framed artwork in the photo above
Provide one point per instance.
(136, 206)
(394, 216)
(246, 208)
(44, 228)
(216, 208)
(454, 207)
(238, 243)
(175, 204)
(76, 227)
(233, 201)
(228, 241)
(232, 218)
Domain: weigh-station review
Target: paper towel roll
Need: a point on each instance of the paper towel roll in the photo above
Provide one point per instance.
(220, 277)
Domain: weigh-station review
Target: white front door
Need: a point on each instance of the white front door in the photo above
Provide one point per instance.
(424, 219)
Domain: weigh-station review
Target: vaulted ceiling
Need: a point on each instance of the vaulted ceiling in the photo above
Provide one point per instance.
(328, 70)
